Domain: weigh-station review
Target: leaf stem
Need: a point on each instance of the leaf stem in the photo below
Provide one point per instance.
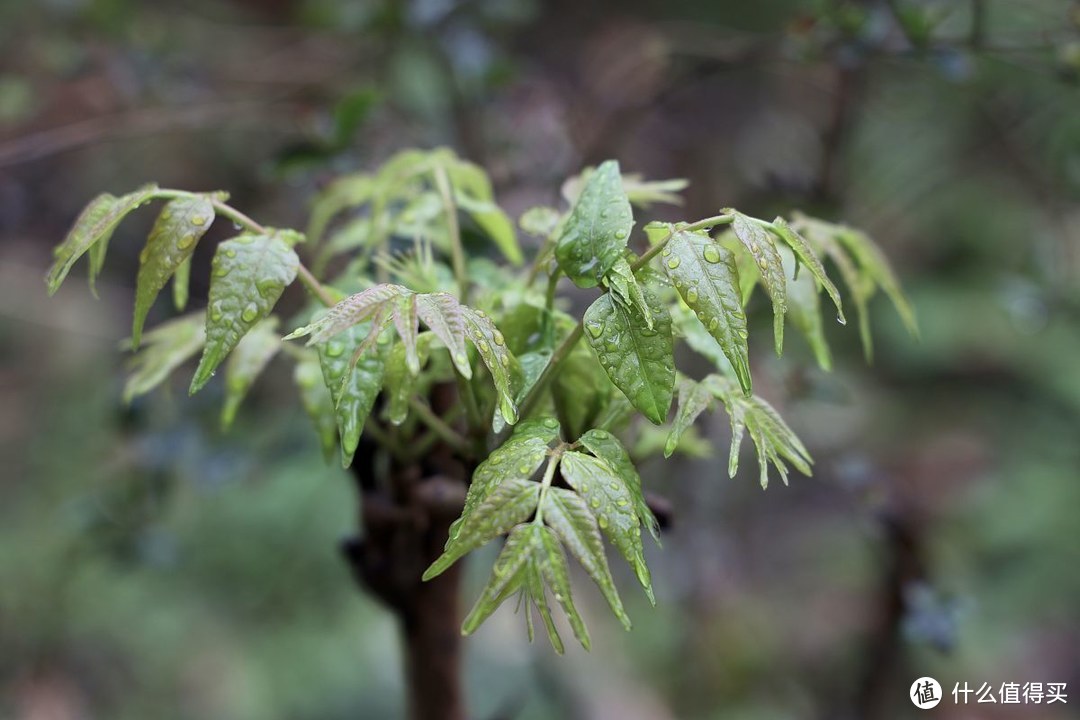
(440, 428)
(457, 252)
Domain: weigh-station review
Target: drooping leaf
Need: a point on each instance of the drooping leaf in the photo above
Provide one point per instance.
(607, 447)
(774, 441)
(354, 309)
(551, 563)
(644, 193)
(806, 256)
(316, 400)
(180, 285)
(249, 274)
(95, 224)
(352, 389)
(407, 323)
(510, 502)
(874, 264)
(694, 399)
(707, 279)
(167, 347)
(399, 381)
(638, 360)
(170, 244)
(569, 517)
(804, 309)
(443, 315)
(491, 345)
(252, 354)
(509, 574)
(611, 501)
(518, 458)
(595, 233)
(761, 247)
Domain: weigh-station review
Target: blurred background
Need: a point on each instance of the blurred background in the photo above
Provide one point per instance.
(152, 567)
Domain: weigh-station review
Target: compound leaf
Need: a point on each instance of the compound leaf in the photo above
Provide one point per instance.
(167, 347)
(170, 244)
(638, 360)
(252, 354)
(595, 233)
(95, 224)
(517, 458)
(773, 439)
(706, 277)
(569, 517)
(611, 501)
(249, 274)
(511, 502)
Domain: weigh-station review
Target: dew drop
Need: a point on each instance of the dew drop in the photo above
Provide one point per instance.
(551, 423)
(215, 312)
(841, 319)
(498, 338)
(267, 286)
(603, 521)
(621, 502)
(335, 349)
(595, 329)
(185, 242)
(249, 313)
(595, 502)
(713, 324)
(198, 221)
(666, 252)
(460, 359)
(602, 434)
(691, 296)
(711, 254)
(620, 234)
(220, 270)
(505, 360)
(230, 253)
(673, 263)
(166, 214)
(524, 468)
(483, 347)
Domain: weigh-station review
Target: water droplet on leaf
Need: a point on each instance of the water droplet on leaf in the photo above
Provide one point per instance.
(711, 254)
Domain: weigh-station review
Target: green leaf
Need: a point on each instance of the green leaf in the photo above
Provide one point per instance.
(248, 360)
(511, 502)
(638, 360)
(569, 517)
(707, 279)
(627, 290)
(551, 562)
(508, 575)
(761, 247)
(804, 309)
(473, 194)
(806, 256)
(352, 310)
(170, 244)
(399, 381)
(607, 447)
(95, 224)
(874, 264)
(181, 284)
(516, 459)
(595, 233)
(352, 389)
(492, 348)
(443, 315)
(774, 441)
(249, 274)
(407, 323)
(167, 347)
(540, 221)
(694, 399)
(316, 400)
(612, 502)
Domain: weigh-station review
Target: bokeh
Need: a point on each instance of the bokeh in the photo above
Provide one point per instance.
(154, 567)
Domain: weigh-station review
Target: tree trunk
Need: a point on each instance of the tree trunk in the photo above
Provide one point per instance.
(405, 513)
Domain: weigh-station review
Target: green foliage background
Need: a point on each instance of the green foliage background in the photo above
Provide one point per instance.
(152, 567)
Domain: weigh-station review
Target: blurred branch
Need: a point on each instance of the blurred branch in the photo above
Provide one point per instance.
(144, 121)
